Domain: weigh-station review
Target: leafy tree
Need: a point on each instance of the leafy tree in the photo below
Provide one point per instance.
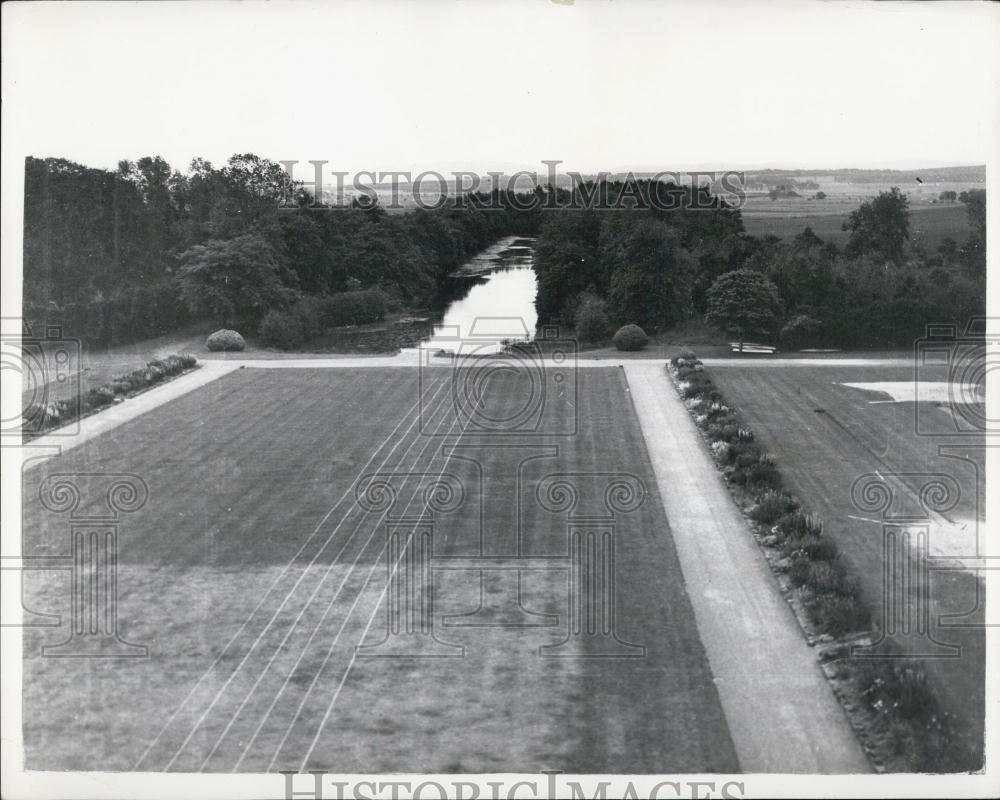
(651, 273)
(880, 227)
(234, 280)
(591, 321)
(567, 262)
(743, 302)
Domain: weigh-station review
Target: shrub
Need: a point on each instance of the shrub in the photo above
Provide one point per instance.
(799, 332)
(729, 433)
(718, 410)
(309, 310)
(750, 449)
(762, 476)
(721, 451)
(816, 548)
(771, 506)
(798, 523)
(745, 457)
(838, 614)
(99, 397)
(178, 363)
(822, 577)
(282, 329)
(353, 308)
(591, 319)
(692, 389)
(898, 688)
(42, 418)
(225, 340)
(686, 359)
(127, 315)
(630, 337)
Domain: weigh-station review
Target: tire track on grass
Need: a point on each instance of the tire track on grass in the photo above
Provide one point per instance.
(281, 649)
(354, 655)
(414, 408)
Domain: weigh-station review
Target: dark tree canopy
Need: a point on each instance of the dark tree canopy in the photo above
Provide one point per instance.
(880, 227)
(233, 280)
(103, 249)
(745, 303)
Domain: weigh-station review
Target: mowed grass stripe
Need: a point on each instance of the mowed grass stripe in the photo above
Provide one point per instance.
(820, 460)
(501, 708)
(435, 400)
(365, 520)
(354, 654)
(241, 401)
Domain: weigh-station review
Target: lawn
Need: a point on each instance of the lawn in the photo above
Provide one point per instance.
(825, 435)
(252, 573)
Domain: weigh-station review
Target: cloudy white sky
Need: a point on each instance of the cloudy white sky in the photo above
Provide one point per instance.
(385, 84)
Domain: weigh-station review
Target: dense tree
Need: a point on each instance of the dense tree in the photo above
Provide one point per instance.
(591, 322)
(745, 303)
(234, 280)
(880, 227)
(102, 248)
(650, 273)
(648, 250)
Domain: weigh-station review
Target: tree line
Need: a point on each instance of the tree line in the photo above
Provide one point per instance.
(119, 255)
(657, 267)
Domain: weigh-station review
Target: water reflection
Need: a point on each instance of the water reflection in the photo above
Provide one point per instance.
(495, 303)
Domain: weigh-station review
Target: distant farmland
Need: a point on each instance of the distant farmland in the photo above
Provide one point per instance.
(928, 224)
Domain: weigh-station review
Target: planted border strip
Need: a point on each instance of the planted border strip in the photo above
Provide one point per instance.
(61, 412)
(903, 721)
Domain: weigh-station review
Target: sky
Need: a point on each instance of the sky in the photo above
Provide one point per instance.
(598, 85)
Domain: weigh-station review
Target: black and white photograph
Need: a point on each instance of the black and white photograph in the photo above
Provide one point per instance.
(480, 400)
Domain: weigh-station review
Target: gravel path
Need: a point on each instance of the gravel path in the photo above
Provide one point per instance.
(782, 714)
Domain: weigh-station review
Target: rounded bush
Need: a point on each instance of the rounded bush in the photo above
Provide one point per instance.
(225, 340)
(630, 337)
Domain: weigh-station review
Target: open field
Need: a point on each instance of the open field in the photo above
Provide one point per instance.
(825, 436)
(255, 570)
(929, 224)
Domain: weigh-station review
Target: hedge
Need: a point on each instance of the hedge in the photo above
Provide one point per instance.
(830, 595)
(312, 315)
(45, 417)
(130, 315)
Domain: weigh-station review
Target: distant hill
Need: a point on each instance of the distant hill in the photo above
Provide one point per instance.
(969, 174)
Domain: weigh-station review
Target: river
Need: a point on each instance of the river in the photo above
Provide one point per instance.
(494, 301)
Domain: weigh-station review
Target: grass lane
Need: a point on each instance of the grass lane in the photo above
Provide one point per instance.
(822, 454)
(252, 580)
